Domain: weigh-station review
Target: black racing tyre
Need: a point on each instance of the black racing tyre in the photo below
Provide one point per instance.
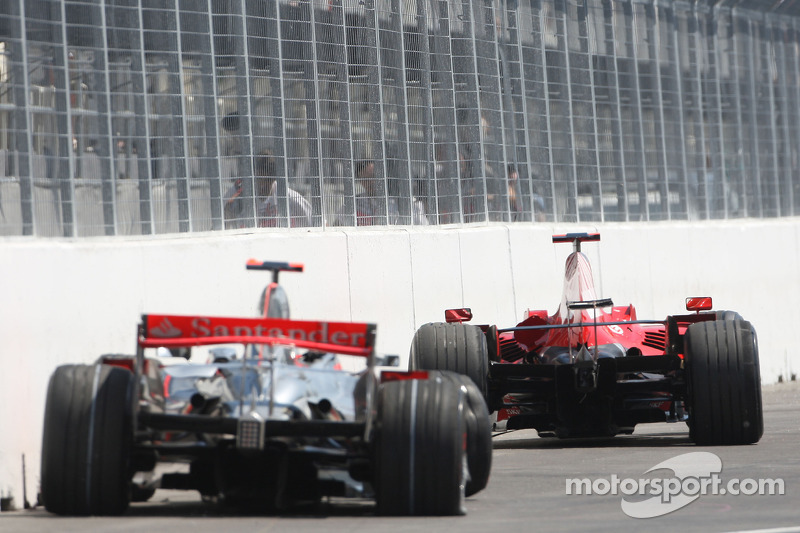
(723, 383)
(479, 431)
(86, 440)
(419, 459)
(728, 315)
(456, 347)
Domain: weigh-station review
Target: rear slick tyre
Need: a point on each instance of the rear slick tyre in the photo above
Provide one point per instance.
(457, 347)
(479, 431)
(728, 315)
(723, 383)
(419, 457)
(86, 441)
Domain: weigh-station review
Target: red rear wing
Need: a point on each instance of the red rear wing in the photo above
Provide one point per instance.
(348, 338)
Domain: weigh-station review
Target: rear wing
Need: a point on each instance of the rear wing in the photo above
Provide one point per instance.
(255, 264)
(576, 239)
(171, 331)
(275, 267)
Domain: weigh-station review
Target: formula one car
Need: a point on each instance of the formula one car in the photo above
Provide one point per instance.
(272, 421)
(273, 302)
(594, 369)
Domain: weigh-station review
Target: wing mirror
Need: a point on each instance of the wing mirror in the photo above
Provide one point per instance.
(698, 303)
(463, 314)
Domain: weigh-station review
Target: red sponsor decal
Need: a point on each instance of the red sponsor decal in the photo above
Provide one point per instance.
(664, 406)
(503, 414)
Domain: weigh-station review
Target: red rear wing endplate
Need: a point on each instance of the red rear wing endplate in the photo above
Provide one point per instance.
(348, 338)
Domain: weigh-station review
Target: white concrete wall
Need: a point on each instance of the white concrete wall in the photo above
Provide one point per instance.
(69, 301)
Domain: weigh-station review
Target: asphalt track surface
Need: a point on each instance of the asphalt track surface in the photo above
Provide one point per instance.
(526, 492)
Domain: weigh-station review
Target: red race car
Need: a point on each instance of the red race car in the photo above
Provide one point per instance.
(594, 369)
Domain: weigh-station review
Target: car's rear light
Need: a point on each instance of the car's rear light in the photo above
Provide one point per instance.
(698, 303)
(250, 433)
(463, 314)
(394, 375)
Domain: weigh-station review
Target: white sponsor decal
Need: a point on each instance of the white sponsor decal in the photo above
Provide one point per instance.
(206, 327)
(165, 330)
(201, 327)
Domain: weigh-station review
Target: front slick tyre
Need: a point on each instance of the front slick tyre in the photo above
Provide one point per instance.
(86, 441)
(419, 457)
(723, 383)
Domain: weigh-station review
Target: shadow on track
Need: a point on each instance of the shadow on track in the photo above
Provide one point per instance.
(651, 440)
(164, 506)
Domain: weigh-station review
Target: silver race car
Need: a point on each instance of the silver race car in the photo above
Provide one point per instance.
(279, 415)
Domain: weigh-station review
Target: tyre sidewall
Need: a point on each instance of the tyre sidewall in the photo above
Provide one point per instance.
(455, 347)
(86, 440)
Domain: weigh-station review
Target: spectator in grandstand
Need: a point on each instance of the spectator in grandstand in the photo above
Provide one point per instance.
(418, 210)
(371, 203)
(233, 205)
(515, 198)
(266, 186)
(472, 192)
(539, 209)
(267, 200)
